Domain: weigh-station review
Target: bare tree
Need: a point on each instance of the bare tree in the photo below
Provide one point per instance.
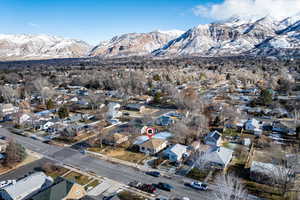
(180, 132)
(9, 94)
(44, 88)
(282, 173)
(200, 160)
(229, 187)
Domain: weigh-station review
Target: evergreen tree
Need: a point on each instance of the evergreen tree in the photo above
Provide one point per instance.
(63, 112)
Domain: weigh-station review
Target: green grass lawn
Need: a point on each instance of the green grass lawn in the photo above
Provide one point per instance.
(231, 132)
(92, 184)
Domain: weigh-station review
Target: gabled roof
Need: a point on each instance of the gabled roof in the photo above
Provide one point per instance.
(26, 185)
(219, 155)
(177, 149)
(6, 106)
(153, 143)
(215, 135)
(268, 169)
(59, 190)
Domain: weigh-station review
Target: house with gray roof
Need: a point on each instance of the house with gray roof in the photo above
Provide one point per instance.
(61, 189)
(217, 156)
(26, 187)
(265, 172)
(176, 152)
(213, 138)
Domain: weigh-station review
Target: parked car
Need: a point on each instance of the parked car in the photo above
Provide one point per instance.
(198, 185)
(153, 173)
(164, 186)
(135, 184)
(147, 188)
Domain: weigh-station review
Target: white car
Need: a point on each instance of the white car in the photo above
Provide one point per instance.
(198, 185)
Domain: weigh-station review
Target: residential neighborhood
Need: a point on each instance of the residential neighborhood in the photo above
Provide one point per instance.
(171, 139)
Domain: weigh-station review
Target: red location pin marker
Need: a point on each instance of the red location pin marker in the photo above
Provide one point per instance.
(150, 132)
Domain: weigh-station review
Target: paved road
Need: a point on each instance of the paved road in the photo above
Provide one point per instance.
(24, 170)
(117, 172)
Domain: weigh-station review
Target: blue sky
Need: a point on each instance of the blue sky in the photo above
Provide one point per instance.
(97, 20)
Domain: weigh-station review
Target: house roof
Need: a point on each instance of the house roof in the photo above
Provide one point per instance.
(26, 185)
(6, 106)
(219, 155)
(177, 149)
(215, 135)
(161, 135)
(135, 106)
(253, 122)
(57, 191)
(164, 120)
(153, 143)
(267, 168)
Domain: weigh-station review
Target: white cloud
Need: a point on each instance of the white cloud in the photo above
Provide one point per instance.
(249, 9)
(33, 25)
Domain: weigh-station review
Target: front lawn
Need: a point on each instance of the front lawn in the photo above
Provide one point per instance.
(126, 195)
(78, 178)
(123, 154)
(96, 149)
(197, 174)
(231, 132)
(92, 184)
(263, 191)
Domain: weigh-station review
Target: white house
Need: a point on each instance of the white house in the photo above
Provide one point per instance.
(113, 110)
(6, 109)
(74, 99)
(213, 138)
(176, 152)
(253, 126)
(217, 156)
(24, 117)
(47, 125)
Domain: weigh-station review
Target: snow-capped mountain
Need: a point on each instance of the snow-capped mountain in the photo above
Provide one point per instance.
(234, 37)
(24, 47)
(134, 44)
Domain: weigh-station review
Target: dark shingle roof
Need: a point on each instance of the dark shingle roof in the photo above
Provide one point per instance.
(57, 191)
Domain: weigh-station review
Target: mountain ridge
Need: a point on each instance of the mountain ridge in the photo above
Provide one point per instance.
(233, 37)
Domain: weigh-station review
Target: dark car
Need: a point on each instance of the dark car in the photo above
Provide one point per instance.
(147, 188)
(153, 173)
(164, 186)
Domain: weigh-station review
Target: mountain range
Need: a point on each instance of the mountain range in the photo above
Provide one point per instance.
(258, 37)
